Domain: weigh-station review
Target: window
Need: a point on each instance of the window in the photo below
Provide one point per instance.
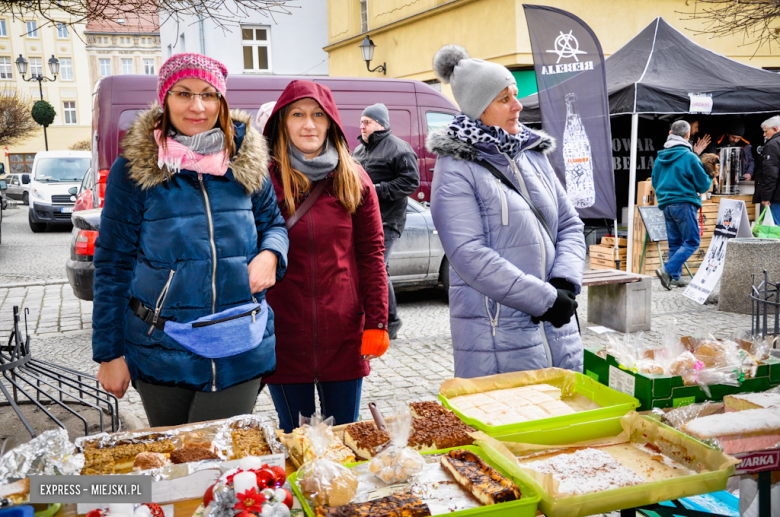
(32, 29)
(363, 15)
(21, 163)
(127, 66)
(6, 68)
(437, 120)
(149, 66)
(36, 67)
(69, 112)
(66, 69)
(2, 29)
(105, 67)
(62, 30)
(255, 43)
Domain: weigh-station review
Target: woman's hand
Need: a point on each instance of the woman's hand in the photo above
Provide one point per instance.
(114, 377)
(262, 271)
(370, 357)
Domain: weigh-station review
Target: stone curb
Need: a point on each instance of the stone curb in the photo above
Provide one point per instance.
(57, 281)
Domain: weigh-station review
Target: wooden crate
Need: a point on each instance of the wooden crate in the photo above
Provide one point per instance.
(610, 241)
(606, 264)
(606, 253)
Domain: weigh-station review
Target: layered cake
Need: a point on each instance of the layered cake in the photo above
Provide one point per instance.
(123, 457)
(513, 405)
(365, 439)
(249, 442)
(755, 429)
(150, 460)
(336, 450)
(743, 401)
(480, 479)
(400, 504)
(190, 454)
(585, 471)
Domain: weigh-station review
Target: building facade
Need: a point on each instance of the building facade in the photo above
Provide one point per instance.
(408, 33)
(70, 94)
(277, 44)
(126, 45)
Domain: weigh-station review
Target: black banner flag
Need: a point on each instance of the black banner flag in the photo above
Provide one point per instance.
(572, 82)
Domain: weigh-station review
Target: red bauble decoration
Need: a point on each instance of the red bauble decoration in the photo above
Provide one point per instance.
(208, 496)
(280, 473)
(95, 513)
(265, 479)
(156, 509)
(288, 498)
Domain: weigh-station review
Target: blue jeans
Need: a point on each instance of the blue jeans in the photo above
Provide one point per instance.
(775, 209)
(341, 400)
(682, 229)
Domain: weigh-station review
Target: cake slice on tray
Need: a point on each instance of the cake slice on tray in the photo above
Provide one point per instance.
(743, 401)
(480, 479)
(751, 430)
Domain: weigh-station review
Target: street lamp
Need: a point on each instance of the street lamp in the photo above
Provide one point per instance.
(54, 66)
(367, 48)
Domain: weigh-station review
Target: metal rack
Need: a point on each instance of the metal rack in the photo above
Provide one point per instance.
(43, 384)
(765, 300)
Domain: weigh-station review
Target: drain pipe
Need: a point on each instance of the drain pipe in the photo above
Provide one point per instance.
(202, 35)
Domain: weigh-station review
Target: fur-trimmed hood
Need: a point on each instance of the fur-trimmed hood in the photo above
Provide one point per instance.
(440, 143)
(249, 166)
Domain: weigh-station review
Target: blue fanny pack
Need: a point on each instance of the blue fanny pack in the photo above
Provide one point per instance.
(227, 333)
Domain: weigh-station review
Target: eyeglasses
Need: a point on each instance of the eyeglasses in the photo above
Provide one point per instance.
(187, 97)
(365, 123)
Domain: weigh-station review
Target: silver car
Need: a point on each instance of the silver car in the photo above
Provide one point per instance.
(19, 186)
(418, 259)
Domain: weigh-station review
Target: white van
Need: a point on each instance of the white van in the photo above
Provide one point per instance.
(53, 174)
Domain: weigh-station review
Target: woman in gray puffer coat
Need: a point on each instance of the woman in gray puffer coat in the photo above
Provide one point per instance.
(512, 287)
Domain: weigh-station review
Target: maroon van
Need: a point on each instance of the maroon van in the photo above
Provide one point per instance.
(415, 108)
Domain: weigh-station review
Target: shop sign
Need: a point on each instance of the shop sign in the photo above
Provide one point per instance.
(759, 461)
(700, 103)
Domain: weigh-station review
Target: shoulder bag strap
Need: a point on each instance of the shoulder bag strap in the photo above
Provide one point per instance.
(307, 204)
(503, 179)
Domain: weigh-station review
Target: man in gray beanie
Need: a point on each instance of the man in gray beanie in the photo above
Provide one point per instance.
(391, 163)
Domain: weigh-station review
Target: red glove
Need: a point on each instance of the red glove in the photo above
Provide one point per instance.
(375, 342)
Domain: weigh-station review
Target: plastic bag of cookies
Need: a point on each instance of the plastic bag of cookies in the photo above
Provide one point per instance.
(397, 462)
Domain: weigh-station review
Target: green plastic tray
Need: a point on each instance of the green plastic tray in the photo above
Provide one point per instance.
(618, 498)
(612, 402)
(662, 391)
(524, 507)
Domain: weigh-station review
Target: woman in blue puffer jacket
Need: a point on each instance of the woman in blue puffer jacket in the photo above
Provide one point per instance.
(190, 238)
(512, 284)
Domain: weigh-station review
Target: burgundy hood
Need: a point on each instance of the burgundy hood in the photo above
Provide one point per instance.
(298, 90)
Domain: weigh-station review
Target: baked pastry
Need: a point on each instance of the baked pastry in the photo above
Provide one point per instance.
(743, 401)
(19, 491)
(685, 362)
(512, 405)
(648, 366)
(328, 486)
(150, 460)
(336, 450)
(365, 439)
(164, 446)
(427, 409)
(249, 442)
(192, 454)
(98, 462)
(712, 354)
(755, 429)
(483, 481)
(400, 504)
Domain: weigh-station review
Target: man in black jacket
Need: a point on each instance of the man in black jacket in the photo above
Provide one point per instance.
(767, 171)
(391, 163)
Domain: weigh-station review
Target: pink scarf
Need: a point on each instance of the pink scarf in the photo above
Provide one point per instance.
(179, 157)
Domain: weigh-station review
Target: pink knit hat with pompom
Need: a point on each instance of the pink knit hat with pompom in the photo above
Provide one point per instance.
(186, 66)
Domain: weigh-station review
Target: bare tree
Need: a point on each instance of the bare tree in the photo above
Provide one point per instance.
(757, 20)
(81, 145)
(223, 13)
(16, 122)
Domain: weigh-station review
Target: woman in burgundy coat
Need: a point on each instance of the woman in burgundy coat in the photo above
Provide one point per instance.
(331, 307)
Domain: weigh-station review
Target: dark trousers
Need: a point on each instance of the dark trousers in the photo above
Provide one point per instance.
(682, 229)
(341, 400)
(166, 405)
(391, 237)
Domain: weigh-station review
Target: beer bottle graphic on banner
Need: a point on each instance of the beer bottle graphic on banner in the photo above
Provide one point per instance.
(577, 158)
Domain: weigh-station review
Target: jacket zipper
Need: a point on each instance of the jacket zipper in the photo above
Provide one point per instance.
(543, 249)
(504, 206)
(252, 313)
(310, 224)
(160, 301)
(213, 271)
(493, 320)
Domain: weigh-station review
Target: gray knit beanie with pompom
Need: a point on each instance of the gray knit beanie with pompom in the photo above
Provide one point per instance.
(475, 82)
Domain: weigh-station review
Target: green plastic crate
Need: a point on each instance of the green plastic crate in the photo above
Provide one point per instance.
(612, 402)
(661, 391)
(524, 507)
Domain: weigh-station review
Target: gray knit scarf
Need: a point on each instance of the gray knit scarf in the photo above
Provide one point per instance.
(318, 167)
(208, 142)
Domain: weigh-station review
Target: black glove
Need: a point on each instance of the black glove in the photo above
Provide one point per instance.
(562, 283)
(562, 310)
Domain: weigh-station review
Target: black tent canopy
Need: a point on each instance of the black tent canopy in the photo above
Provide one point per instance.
(653, 75)
(655, 71)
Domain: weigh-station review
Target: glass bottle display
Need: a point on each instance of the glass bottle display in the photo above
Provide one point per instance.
(577, 158)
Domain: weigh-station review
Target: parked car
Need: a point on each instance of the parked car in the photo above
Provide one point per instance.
(415, 109)
(53, 174)
(19, 186)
